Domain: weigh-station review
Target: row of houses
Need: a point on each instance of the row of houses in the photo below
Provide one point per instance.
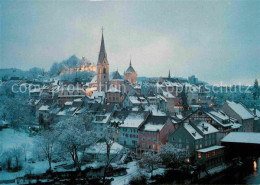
(146, 122)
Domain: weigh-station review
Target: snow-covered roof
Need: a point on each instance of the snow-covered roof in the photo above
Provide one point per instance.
(44, 108)
(161, 97)
(113, 89)
(101, 148)
(192, 131)
(134, 119)
(137, 86)
(68, 103)
(94, 80)
(242, 137)
(236, 125)
(219, 115)
(204, 150)
(97, 94)
(179, 116)
(134, 99)
(155, 123)
(240, 110)
(155, 110)
(153, 127)
(62, 113)
(105, 118)
(78, 100)
(206, 128)
(257, 112)
(167, 94)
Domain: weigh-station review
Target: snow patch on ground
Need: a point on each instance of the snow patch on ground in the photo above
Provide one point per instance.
(132, 171)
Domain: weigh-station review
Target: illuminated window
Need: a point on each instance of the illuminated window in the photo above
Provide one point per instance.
(199, 155)
(214, 153)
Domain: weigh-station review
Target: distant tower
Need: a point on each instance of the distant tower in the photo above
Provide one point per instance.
(102, 67)
(130, 74)
(169, 75)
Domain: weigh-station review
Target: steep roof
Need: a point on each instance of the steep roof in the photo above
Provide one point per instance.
(117, 76)
(242, 137)
(192, 131)
(134, 119)
(130, 69)
(102, 52)
(240, 110)
(154, 123)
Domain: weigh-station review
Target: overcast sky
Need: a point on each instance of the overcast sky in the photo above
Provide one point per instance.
(215, 40)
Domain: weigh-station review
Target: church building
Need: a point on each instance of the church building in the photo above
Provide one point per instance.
(103, 80)
(130, 74)
(102, 68)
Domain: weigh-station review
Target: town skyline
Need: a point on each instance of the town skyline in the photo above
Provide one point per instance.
(40, 43)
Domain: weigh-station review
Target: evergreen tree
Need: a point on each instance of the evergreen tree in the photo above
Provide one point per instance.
(184, 99)
(255, 93)
(256, 90)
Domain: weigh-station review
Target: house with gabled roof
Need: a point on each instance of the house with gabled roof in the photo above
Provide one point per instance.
(241, 113)
(199, 138)
(129, 128)
(218, 119)
(154, 133)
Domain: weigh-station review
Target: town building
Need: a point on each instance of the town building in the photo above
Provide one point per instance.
(130, 74)
(240, 113)
(102, 68)
(154, 133)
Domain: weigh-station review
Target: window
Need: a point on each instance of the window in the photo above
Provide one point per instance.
(214, 153)
(104, 70)
(199, 155)
(207, 155)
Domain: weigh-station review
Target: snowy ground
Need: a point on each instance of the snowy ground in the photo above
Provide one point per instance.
(10, 138)
(131, 172)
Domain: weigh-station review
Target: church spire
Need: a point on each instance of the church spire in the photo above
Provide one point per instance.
(102, 52)
(169, 75)
(130, 62)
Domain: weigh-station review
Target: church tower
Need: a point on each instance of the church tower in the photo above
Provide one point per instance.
(130, 74)
(102, 68)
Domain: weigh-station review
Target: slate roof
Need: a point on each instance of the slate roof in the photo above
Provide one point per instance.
(154, 123)
(102, 52)
(130, 69)
(117, 76)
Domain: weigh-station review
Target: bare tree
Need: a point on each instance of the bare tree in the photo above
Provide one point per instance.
(25, 147)
(17, 153)
(6, 159)
(172, 156)
(46, 141)
(108, 139)
(150, 161)
(74, 138)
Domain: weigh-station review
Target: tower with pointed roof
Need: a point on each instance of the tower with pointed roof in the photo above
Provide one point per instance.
(130, 74)
(169, 75)
(102, 67)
